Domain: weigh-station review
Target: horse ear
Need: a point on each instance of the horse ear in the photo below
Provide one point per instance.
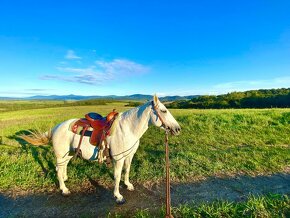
(155, 99)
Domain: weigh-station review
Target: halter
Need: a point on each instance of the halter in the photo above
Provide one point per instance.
(155, 107)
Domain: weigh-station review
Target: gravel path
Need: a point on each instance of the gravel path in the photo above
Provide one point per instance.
(99, 202)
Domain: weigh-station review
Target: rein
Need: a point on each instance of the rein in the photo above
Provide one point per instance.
(167, 164)
(125, 152)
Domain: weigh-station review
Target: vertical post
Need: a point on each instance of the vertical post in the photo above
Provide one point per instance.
(168, 209)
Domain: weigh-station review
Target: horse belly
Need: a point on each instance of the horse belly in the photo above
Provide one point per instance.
(65, 141)
(88, 151)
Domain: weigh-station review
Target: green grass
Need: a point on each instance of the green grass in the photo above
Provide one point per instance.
(261, 206)
(16, 105)
(212, 143)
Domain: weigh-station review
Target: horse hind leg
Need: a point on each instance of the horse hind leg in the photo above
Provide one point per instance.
(61, 174)
(65, 177)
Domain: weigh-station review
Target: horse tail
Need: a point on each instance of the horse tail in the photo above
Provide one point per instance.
(37, 138)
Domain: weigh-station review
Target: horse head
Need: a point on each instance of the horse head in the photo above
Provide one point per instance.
(161, 117)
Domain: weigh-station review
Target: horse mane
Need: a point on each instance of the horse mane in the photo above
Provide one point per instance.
(134, 110)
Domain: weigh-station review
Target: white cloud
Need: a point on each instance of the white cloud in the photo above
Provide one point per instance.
(224, 88)
(71, 55)
(19, 93)
(279, 82)
(283, 80)
(87, 70)
(101, 71)
(122, 67)
(80, 75)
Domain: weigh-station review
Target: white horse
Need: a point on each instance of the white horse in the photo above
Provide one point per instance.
(123, 143)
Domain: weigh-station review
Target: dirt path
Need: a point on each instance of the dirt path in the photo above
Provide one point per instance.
(100, 202)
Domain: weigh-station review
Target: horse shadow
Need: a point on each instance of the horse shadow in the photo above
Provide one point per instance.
(41, 154)
(44, 156)
(78, 204)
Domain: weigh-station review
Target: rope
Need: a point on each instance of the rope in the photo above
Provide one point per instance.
(125, 152)
(167, 164)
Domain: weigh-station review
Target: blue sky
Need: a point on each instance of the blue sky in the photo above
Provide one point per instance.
(127, 47)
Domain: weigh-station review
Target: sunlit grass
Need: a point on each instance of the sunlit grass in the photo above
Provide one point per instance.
(261, 206)
(212, 143)
(255, 206)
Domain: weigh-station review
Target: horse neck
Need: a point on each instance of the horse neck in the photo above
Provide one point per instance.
(136, 120)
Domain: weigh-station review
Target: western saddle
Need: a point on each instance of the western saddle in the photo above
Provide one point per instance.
(98, 128)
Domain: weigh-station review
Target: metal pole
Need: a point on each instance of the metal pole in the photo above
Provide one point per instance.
(168, 211)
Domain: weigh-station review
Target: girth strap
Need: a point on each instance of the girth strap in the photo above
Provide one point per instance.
(80, 142)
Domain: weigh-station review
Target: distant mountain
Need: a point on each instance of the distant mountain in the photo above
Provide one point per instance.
(177, 97)
(135, 97)
(9, 98)
(81, 97)
(60, 97)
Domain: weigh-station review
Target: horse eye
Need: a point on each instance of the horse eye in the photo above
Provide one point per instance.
(163, 111)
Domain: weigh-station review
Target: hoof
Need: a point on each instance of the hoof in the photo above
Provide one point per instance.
(130, 187)
(121, 201)
(66, 194)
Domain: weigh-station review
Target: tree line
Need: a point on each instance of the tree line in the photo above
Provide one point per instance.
(263, 98)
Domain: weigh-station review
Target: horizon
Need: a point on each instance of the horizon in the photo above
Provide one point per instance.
(166, 47)
(115, 95)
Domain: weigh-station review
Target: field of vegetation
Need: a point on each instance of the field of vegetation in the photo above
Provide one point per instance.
(215, 145)
(263, 98)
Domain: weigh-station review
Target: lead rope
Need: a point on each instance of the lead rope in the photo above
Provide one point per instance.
(168, 209)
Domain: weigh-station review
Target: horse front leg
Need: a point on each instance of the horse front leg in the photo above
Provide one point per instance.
(117, 174)
(127, 166)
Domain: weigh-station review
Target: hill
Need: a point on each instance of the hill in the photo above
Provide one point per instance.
(135, 97)
(263, 98)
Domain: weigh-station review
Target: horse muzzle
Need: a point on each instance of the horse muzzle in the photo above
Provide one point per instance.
(173, 130)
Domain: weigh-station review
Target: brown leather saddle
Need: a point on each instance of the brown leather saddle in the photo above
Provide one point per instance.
(96, 127)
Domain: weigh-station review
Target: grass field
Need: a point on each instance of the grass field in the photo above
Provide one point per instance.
(266, 206)
(213, 143)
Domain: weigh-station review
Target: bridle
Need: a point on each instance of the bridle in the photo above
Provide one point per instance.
(155, 108)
